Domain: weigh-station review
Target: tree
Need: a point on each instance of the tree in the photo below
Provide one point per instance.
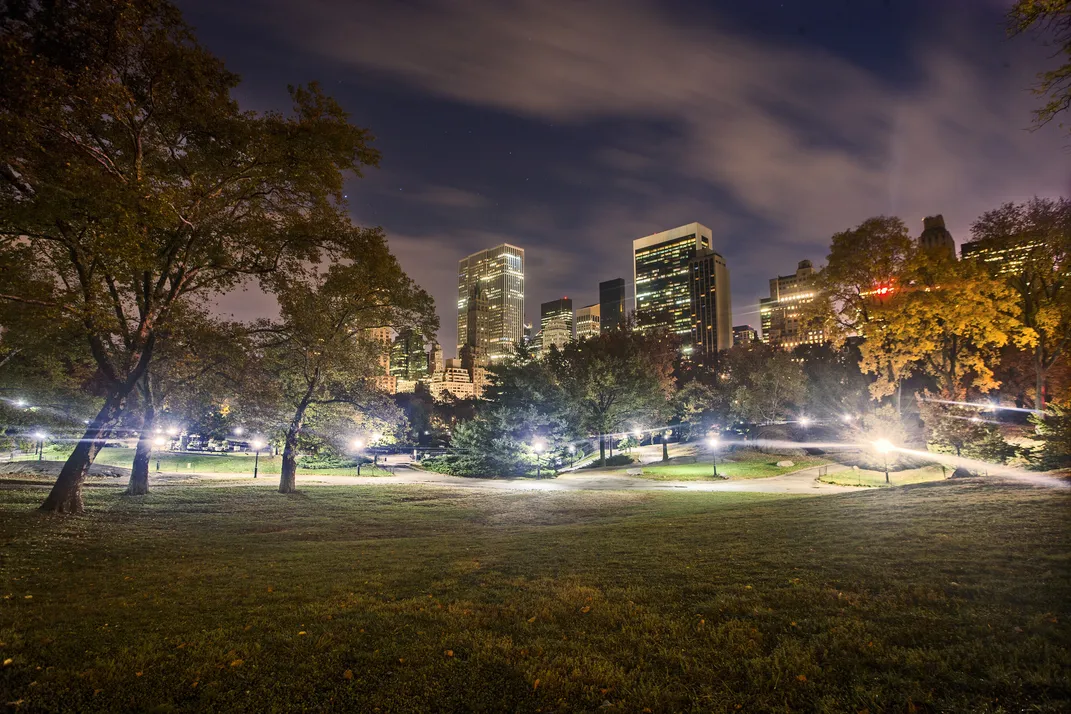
(835, 384)
(861, 274)
(766, 384)
(320, 352)
(198, 360)
(1054, 430)
(134, 180)
(1053, 16)
(954, 428)
(1035, 238)
(616, 380)
(949, 319)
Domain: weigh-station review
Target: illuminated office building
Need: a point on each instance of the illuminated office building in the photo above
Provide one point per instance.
(496, 277)
(780, 314)
(588, 323)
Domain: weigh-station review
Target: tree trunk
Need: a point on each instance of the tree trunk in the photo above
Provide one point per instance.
(602, 449)
(139, 470)
(1039, 368)
(66, 493)
(288, 474)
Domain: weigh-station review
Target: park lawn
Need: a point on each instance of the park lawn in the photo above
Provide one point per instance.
(941, 597)
(735, 465)
(187, 462)
(866, 477)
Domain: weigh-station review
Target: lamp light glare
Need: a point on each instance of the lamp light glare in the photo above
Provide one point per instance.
(357, 444)
(238, 431)
(805, 421)
(258, 444)
(884, 446)
(538, 445)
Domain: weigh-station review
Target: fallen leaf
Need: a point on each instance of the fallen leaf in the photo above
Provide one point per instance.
(585, 609)
(236, 663)
(801, 677)
(401, 660)
(302, 633)
(449, 653)
(535, 684)
(348, 674)
(531, 619)
(29, 597)
(8, 661)
(137, 674)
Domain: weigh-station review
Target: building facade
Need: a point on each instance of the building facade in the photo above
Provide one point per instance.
(612, 309)
(744, 335)
(588, 321)
(936, 238)
(408, 359)
(496, 277)
(452, 381)
(781, 314)
(1003, 257)
(384, 381)
(710, 304)
(560, 311)
(682, 286)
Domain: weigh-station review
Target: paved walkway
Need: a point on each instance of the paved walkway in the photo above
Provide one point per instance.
(799, 482)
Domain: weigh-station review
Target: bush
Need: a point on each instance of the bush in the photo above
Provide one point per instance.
(1054, 430)
(327, 461)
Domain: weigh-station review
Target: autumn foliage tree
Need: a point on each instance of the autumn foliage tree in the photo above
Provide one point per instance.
(135, 182)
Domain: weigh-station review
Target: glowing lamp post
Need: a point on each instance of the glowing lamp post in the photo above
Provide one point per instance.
(638, 433)
(712, 442)
(537, 446)
(848, 418)
(376, 438)
(158, 442)
(884, 446)
(257, 445)
(665, 444)
(572, 455)
(805, 421)
(40, 436)
(357, 445)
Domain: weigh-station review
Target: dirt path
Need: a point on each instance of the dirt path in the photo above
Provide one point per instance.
(799, 482)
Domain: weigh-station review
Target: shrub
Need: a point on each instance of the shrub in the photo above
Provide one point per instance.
(327, 461)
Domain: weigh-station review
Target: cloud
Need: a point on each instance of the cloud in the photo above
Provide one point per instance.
(448, 197)
(791, 142)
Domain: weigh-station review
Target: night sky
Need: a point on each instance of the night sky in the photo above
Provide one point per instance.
(571, 127)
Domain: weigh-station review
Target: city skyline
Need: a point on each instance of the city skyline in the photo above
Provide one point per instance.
(923, 109)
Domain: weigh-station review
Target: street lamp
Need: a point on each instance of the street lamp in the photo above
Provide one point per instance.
(158, 442)
(572, 455)
(713, 443)
(20, 403)
(357, 445)
(665, 444)
(848, 418)
(238, 431)
(638, 433)
(884, 446)
(805, 421)
(257, 445)
(40, 436)
(537, 446)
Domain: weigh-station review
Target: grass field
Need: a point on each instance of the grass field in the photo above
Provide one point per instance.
(941, 597)
(865, 477)
(184, 462)
(736, 465)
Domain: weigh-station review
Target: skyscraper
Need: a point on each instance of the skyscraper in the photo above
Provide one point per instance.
(408, 360)
(709, 300)
(499, 273)
(556, 323)
(936, 238)
(664, 273)
(612, 311)
(588, 321)
(780, 313)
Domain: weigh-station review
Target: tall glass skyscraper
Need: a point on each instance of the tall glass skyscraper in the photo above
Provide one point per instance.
(665, 268)
(499, 274)
(612, 309)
